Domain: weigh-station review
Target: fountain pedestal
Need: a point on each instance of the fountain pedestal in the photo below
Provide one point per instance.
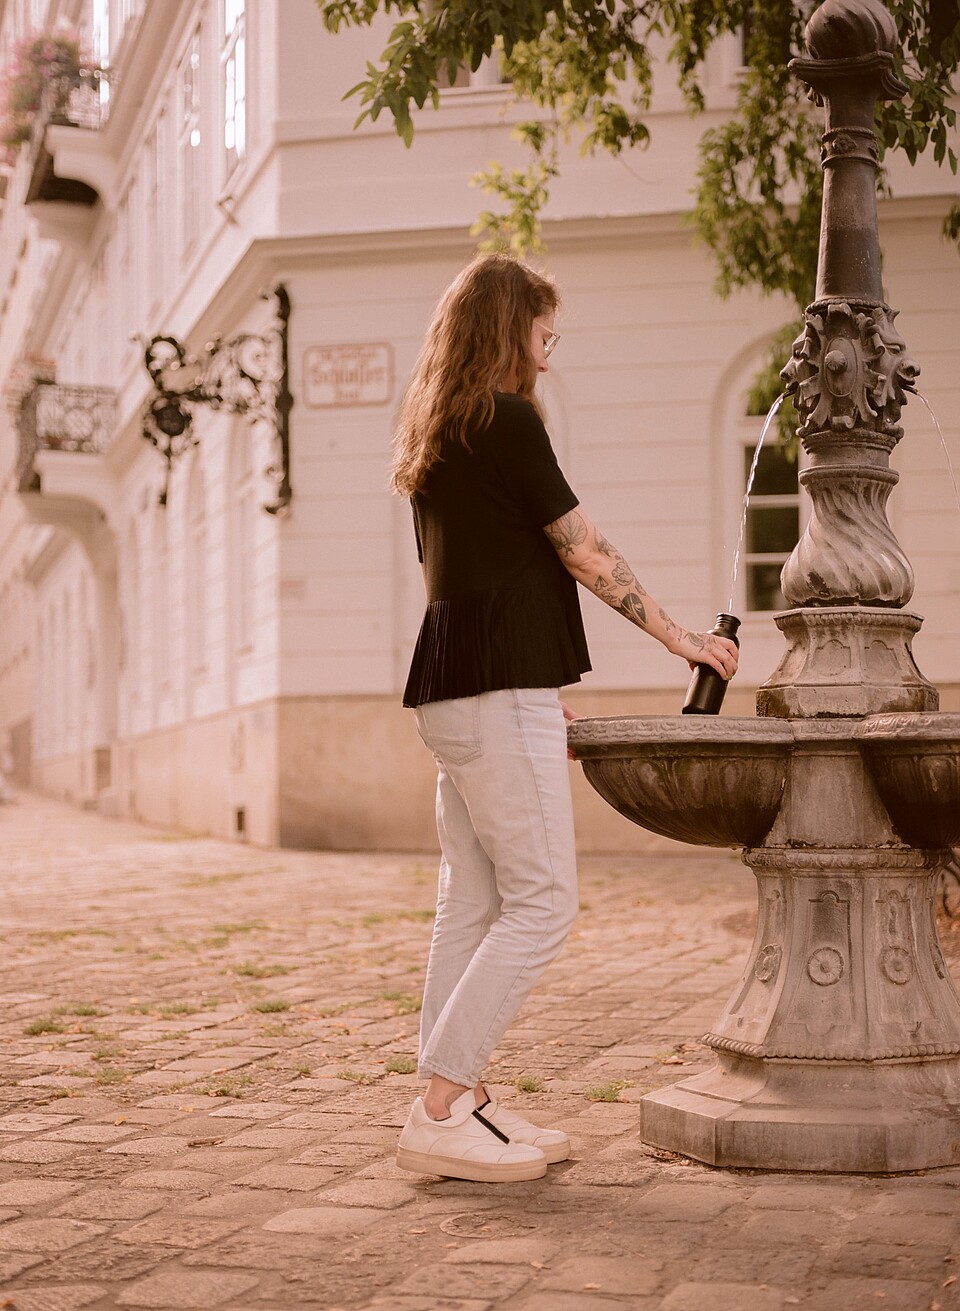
(840, 1047)
(843, 661)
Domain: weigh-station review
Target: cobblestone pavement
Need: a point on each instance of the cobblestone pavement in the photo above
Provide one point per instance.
(205, 1054)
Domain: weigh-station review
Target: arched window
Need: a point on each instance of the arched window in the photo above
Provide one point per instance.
(196, 573)
(160, 618)
(54, 684)
(85, 661)
(188, 144)
(41, 711)
(68, 674)
(130, 633)
(243, 547)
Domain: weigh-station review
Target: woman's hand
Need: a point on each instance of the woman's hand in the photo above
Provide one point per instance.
(569, 716)
(706, 649)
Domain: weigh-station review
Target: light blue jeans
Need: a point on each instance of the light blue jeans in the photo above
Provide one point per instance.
(508, 875)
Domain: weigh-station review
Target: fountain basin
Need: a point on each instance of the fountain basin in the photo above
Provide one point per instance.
(915, 763)
(711, 781)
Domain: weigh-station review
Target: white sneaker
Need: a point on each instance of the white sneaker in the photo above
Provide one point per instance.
(465, 1146)
(554, 1143)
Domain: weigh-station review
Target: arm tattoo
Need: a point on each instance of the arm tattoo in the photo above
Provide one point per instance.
(567, 532)
(631, 606)
(620, 588)
(699, 640)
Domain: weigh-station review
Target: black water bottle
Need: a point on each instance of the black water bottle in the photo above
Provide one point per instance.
(707, 687)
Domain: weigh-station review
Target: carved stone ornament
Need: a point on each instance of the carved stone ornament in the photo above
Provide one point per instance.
(794, 1052)
(768, 963)
(814, 862)
(849, 143)
(825, 966)
(897, 964)
(849, 370)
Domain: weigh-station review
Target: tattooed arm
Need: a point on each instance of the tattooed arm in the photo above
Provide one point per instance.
(599, 567)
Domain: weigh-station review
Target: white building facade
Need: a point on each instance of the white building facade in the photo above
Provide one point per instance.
(210, 665)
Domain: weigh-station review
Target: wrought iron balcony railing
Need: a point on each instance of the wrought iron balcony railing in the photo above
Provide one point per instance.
(75, 100)
(55, 417)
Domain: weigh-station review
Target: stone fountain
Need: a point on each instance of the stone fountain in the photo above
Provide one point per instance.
(840, 1047)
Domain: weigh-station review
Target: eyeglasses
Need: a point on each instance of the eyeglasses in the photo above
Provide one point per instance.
(549, 344)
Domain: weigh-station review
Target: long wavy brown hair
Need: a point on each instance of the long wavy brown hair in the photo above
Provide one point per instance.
(478, 339)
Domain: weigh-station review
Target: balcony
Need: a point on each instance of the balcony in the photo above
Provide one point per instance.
(69, 419)
(68, 160)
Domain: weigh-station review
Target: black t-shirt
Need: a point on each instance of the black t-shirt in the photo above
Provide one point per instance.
(502, 611)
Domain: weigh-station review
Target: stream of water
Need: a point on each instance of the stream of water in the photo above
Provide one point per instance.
(746, 496)
(943, 442)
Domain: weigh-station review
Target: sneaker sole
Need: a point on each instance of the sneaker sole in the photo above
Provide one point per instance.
(476, 1171)
(554, 1155)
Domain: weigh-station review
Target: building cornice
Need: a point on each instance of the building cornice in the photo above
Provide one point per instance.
(268, 258)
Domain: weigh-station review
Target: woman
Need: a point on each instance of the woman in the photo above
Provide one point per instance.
(503, 542)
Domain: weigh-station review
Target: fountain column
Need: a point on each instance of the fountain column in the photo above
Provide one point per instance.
(848, 639)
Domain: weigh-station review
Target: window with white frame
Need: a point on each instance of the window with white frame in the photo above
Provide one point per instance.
(234, 83)
(161, 602)
(130, 634)
(100, 23)
(488, 74)
(124, 12)
(773, 525)
(188, 143)
(110, 20)
(41, 703)
(244, 537)
(103, 312)
(153, 178)
(197, 573)
(125, 323)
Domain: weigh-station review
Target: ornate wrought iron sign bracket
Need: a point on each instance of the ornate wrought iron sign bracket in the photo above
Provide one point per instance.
(247, 374)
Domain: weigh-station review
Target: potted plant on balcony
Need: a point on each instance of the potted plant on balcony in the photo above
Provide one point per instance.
(38, 61)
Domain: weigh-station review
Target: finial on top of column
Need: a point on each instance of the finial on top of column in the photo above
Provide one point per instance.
(850, 29)
(850, 39)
